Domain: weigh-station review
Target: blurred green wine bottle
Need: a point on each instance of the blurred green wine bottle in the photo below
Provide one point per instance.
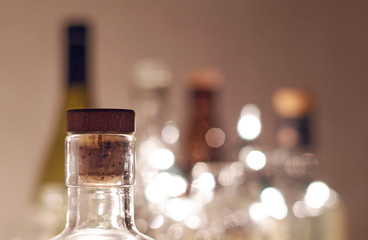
(76, 96)
(46, 215)
(51, 195)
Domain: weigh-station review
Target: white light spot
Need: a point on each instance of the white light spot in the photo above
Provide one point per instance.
(215, 137)
(163, 186)
(157, 222)
(251, 109)
(177, 186)
(317, 194)
(192, 222)
(256, 160)
(100, 209)
(249, 127)
(170, 133)
(274, 203)
(314, 212)
(206, 181)
(162, 158)
(156, 191)
(257, 212)
(147, 147)
(178, 209)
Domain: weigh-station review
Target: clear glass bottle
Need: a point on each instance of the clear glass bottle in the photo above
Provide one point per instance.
(100, 174)
(292, 163)
(157, 146)
(294, 170)
(242, 180)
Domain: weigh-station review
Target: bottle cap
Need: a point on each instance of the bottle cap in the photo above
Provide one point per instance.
(206, 79)
(77, 34)
(77, 47)
(100, 120)
(291, 102)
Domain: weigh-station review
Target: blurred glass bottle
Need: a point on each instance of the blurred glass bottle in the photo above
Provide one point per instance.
(47, 213)
(76, 96)
(242, 183)
(157, 144)
(152, 79)
(204, 139)
(204, 155)
(294, 167)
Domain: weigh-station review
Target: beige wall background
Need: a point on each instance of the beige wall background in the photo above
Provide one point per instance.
(259, 46)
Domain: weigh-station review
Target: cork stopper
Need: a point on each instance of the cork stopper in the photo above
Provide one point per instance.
(100, 121)
(98, 152)
(104, 158)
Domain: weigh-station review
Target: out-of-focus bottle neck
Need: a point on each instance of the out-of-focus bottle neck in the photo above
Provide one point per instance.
(294, 133)
(204, 104)
(77, 96)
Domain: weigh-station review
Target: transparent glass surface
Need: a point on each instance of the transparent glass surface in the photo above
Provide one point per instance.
(100, 178)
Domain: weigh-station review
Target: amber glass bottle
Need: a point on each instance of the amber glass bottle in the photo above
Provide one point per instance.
(204, 137)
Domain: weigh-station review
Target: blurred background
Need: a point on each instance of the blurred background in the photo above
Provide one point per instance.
(258, 46)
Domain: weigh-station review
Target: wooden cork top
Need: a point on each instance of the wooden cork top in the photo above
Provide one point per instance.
(100, 121)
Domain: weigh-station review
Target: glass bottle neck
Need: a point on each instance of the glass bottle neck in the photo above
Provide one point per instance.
(77, 96)
(203, 104)
(100, 208)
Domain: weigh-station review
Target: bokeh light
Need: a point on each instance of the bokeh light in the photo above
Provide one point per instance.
(274, 203)
(162, 158)
(215, 137)
(206, 182)
(257, 212)
(177, 186)
(249, 127)
(164, 186)
(255, 160)
(178, 209)
(317, 194)
(157, 221)
(193, 221)
(170, 133)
